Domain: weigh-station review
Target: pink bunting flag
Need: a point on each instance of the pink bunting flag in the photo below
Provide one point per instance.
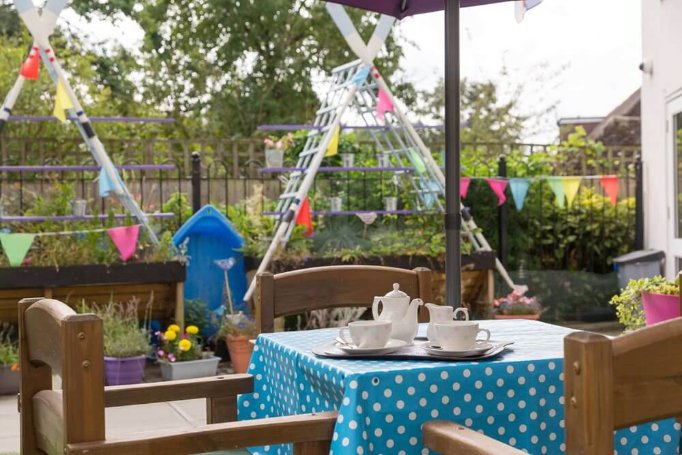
(125, 239)
(464, 186)
(610, 184)
(498, 186)
(384, 104)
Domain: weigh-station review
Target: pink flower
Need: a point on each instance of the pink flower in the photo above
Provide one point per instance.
(171, 357)
(161, 353)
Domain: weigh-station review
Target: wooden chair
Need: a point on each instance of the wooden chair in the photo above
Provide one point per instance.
(332, 287)
(609, 384)
(54, 339)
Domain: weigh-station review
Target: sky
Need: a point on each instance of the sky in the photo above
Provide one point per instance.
(582, 55)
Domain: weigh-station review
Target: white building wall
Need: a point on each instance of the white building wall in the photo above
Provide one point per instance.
(662, 50)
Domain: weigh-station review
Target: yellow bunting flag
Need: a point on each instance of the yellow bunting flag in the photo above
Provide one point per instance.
(571, 186)
(333, 147)
(62, 103)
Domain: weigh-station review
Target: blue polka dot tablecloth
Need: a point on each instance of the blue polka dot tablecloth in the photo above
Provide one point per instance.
(516, 398)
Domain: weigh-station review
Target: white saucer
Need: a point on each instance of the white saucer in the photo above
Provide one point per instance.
(481, 347)
(392, 346)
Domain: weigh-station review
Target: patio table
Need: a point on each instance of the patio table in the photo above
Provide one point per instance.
(516, 398)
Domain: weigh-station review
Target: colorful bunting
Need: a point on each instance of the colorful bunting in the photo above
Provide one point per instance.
(367, 218)
(432, 191)
(557, 186)
(361, 76)
(384, 104)
(30, 69)
(519, 191)
(464, 186)
(305, 217)
(571, 186)
(524, 5)
(106, 186)
(333, 147)
(610, 184)
(498, 186)
(16, 247)
(125, 239)
(417, 161)
(62, 103)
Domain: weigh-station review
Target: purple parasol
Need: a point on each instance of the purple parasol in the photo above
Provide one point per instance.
(453, 213)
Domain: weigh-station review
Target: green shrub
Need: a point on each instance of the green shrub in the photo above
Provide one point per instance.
(123, 336)
(629, 302)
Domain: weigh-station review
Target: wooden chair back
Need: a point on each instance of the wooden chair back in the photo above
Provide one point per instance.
(616, 383)
(54, 339)
(332, 287)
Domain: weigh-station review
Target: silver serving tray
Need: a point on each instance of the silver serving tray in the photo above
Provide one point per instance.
(413, 352)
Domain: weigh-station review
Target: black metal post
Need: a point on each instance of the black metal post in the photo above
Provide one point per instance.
(196, 182)
(453, 219)
(639, 204)
(503, 218)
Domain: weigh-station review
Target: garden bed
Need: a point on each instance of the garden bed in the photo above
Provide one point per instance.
(158, 283)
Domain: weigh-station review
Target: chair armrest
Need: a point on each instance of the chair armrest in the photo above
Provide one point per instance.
(314, 429)
(211, 387)
(449, 438)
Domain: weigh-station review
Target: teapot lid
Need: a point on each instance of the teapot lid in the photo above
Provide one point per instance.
(396, 292)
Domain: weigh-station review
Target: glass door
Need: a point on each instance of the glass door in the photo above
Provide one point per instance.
(674, 152)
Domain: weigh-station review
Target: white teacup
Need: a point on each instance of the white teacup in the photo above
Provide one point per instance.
(367, 334)
(458, 335)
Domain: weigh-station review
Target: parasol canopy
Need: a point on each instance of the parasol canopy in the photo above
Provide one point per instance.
(404, 8)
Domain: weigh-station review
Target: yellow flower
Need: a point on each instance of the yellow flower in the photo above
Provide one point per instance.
(174, 327)
(192, 329)
(184, 345)
(170, 335)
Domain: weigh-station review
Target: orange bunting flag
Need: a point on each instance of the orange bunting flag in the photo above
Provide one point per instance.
(610, 184)
(30, 69)
(305, 218)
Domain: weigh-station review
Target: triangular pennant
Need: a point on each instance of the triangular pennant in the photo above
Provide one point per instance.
(361, 76)
(519, 191)
(367, 218)
(30, 69)
(417, 161)
(106, 186)
(125, 239)
(333, 147)
(557, 187)
(432, 191)
(571, 186)
(62, 103)
(305, 218)
(498, 186)
(610, 184)
(16, 247)
(464, 183)
(384, 104)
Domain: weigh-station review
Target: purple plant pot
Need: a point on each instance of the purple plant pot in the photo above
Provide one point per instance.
(126, 370)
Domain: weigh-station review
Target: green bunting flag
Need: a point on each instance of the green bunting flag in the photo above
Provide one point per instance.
(16, 247)
(417, 161)
(557, 186)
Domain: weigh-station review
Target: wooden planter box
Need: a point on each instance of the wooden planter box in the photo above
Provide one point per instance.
(478, 290)
(160, 283)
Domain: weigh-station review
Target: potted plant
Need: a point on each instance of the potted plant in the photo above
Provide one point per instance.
(126, 344)
(274, 150)
(239, 330)
(9, 362)
(517, 306)
(180, 355)
(647, 301)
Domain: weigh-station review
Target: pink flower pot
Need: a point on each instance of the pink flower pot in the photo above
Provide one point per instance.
(660, 307)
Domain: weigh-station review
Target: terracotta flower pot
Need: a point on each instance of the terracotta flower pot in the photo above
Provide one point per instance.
(240, 348)
(532, 317)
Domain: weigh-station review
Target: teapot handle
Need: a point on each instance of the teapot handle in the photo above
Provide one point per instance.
(375, 308)
(462, 310)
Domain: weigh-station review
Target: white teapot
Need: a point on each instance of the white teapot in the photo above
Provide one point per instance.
(441, 313)
(402, 314)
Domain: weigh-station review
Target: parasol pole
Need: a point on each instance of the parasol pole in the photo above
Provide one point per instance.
(453, 219)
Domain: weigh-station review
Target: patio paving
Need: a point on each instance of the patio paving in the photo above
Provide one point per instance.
(176, 414)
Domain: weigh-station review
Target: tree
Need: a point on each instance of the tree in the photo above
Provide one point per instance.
(231, 66)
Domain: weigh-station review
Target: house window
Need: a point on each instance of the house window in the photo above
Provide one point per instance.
(677, 140)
